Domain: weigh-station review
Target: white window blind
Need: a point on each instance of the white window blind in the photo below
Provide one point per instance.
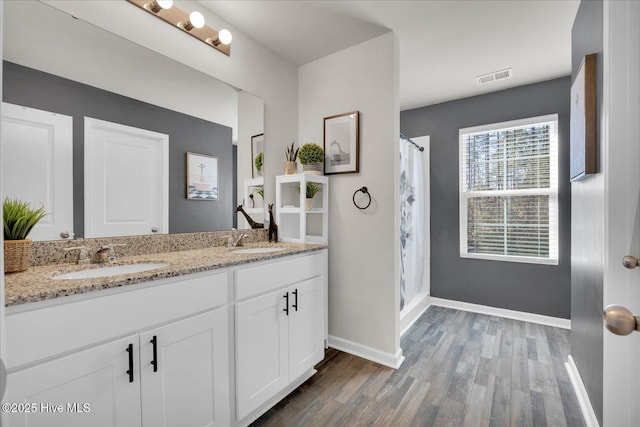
(509, 191)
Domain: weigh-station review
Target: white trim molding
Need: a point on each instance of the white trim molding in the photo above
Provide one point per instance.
(588, 413)
(412, 311)
(503, 312)
(387, 359)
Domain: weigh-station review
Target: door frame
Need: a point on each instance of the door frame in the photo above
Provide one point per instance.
(621, 157)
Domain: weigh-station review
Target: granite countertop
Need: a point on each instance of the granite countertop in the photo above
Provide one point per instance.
(37, 283)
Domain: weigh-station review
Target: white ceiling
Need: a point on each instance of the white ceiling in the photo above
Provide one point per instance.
(444, 44)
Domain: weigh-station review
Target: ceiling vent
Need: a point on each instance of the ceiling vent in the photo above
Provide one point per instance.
(495, 76)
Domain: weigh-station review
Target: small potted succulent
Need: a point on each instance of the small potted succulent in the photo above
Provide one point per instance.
(19, 220)
(291, 155)
(311, 156)
(258, 163)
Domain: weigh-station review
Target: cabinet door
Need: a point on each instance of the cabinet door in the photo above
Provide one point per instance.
(261, 350)
(189, 384)
(306, 326)
(87, 388)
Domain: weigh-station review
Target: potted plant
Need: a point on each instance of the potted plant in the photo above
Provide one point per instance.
(258, 162)
(291, 155)
(19, 220)
(311, 190)
(311, 156)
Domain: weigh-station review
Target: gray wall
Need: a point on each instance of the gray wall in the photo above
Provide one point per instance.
(587, 225)
(540, 289)
(33, 88)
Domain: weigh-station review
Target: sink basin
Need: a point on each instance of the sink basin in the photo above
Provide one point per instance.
(109, 271)
(256, 250)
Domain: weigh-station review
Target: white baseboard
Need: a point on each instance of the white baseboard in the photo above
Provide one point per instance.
(588, 413)
(412, 312)
(387, 359)
(502, 312)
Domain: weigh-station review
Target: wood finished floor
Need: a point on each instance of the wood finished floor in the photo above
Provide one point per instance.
(461, 369)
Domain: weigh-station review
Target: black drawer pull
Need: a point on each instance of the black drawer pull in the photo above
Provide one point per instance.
(286, 304)
(154, 362)
(295, 304)
(130, 371)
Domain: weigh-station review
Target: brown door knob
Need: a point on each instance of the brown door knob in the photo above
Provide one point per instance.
(620, 320)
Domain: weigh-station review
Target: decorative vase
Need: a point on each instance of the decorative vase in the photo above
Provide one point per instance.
(290, 168)
(308, 203)
(16, 255)
(259, 173)
(312, 168)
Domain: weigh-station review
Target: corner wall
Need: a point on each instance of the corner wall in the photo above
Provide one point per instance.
(363, 255)
(531, 288)
(587, 224)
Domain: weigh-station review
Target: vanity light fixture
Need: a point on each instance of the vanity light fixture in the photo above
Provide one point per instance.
(192, 24)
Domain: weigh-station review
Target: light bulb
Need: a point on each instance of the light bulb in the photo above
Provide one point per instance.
(225, 36)
(196, 19)
(156, 5)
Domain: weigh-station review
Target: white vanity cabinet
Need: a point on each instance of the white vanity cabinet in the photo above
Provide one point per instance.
(184, 380)
(213, 349)
(172, 373)
(280, 315)
(96, 376)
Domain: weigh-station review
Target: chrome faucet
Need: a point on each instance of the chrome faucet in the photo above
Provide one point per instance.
(236, 239)
(106, 253)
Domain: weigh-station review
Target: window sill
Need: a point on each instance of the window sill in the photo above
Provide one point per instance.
(512, 258)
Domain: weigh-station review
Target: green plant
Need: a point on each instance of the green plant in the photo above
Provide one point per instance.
(311, 153)
(19, 218)
(311, 189)
(291, 153)
(258, 161)
(259, 191)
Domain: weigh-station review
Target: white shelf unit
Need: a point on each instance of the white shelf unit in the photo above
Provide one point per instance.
(295, 223)
(255, 210)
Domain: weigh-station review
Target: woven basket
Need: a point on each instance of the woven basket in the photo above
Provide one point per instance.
(16, 255)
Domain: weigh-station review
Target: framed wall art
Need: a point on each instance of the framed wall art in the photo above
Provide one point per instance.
(342, 143)
(257, 155)
(583, 120)
(202, 177)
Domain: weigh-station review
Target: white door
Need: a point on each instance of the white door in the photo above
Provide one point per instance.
(126, 180)
(306, 326)
(37, 166)
(185, 381)
(622, 205)
(262, 361)
(88, 388)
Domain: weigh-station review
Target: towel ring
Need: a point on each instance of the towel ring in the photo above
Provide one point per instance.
(365, 191)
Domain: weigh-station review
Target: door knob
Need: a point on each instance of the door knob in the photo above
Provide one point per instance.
(630, 262)
(619, 320)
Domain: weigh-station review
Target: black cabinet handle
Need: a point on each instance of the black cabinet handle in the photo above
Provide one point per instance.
(295, 305)
(154, 362)
(286, 304)
(130, 371)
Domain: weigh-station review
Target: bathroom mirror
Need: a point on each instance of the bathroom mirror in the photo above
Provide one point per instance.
(63, 65)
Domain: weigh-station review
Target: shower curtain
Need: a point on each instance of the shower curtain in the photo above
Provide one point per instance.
(412, 233)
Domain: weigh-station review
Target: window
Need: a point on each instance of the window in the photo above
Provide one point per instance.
(509, 191)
